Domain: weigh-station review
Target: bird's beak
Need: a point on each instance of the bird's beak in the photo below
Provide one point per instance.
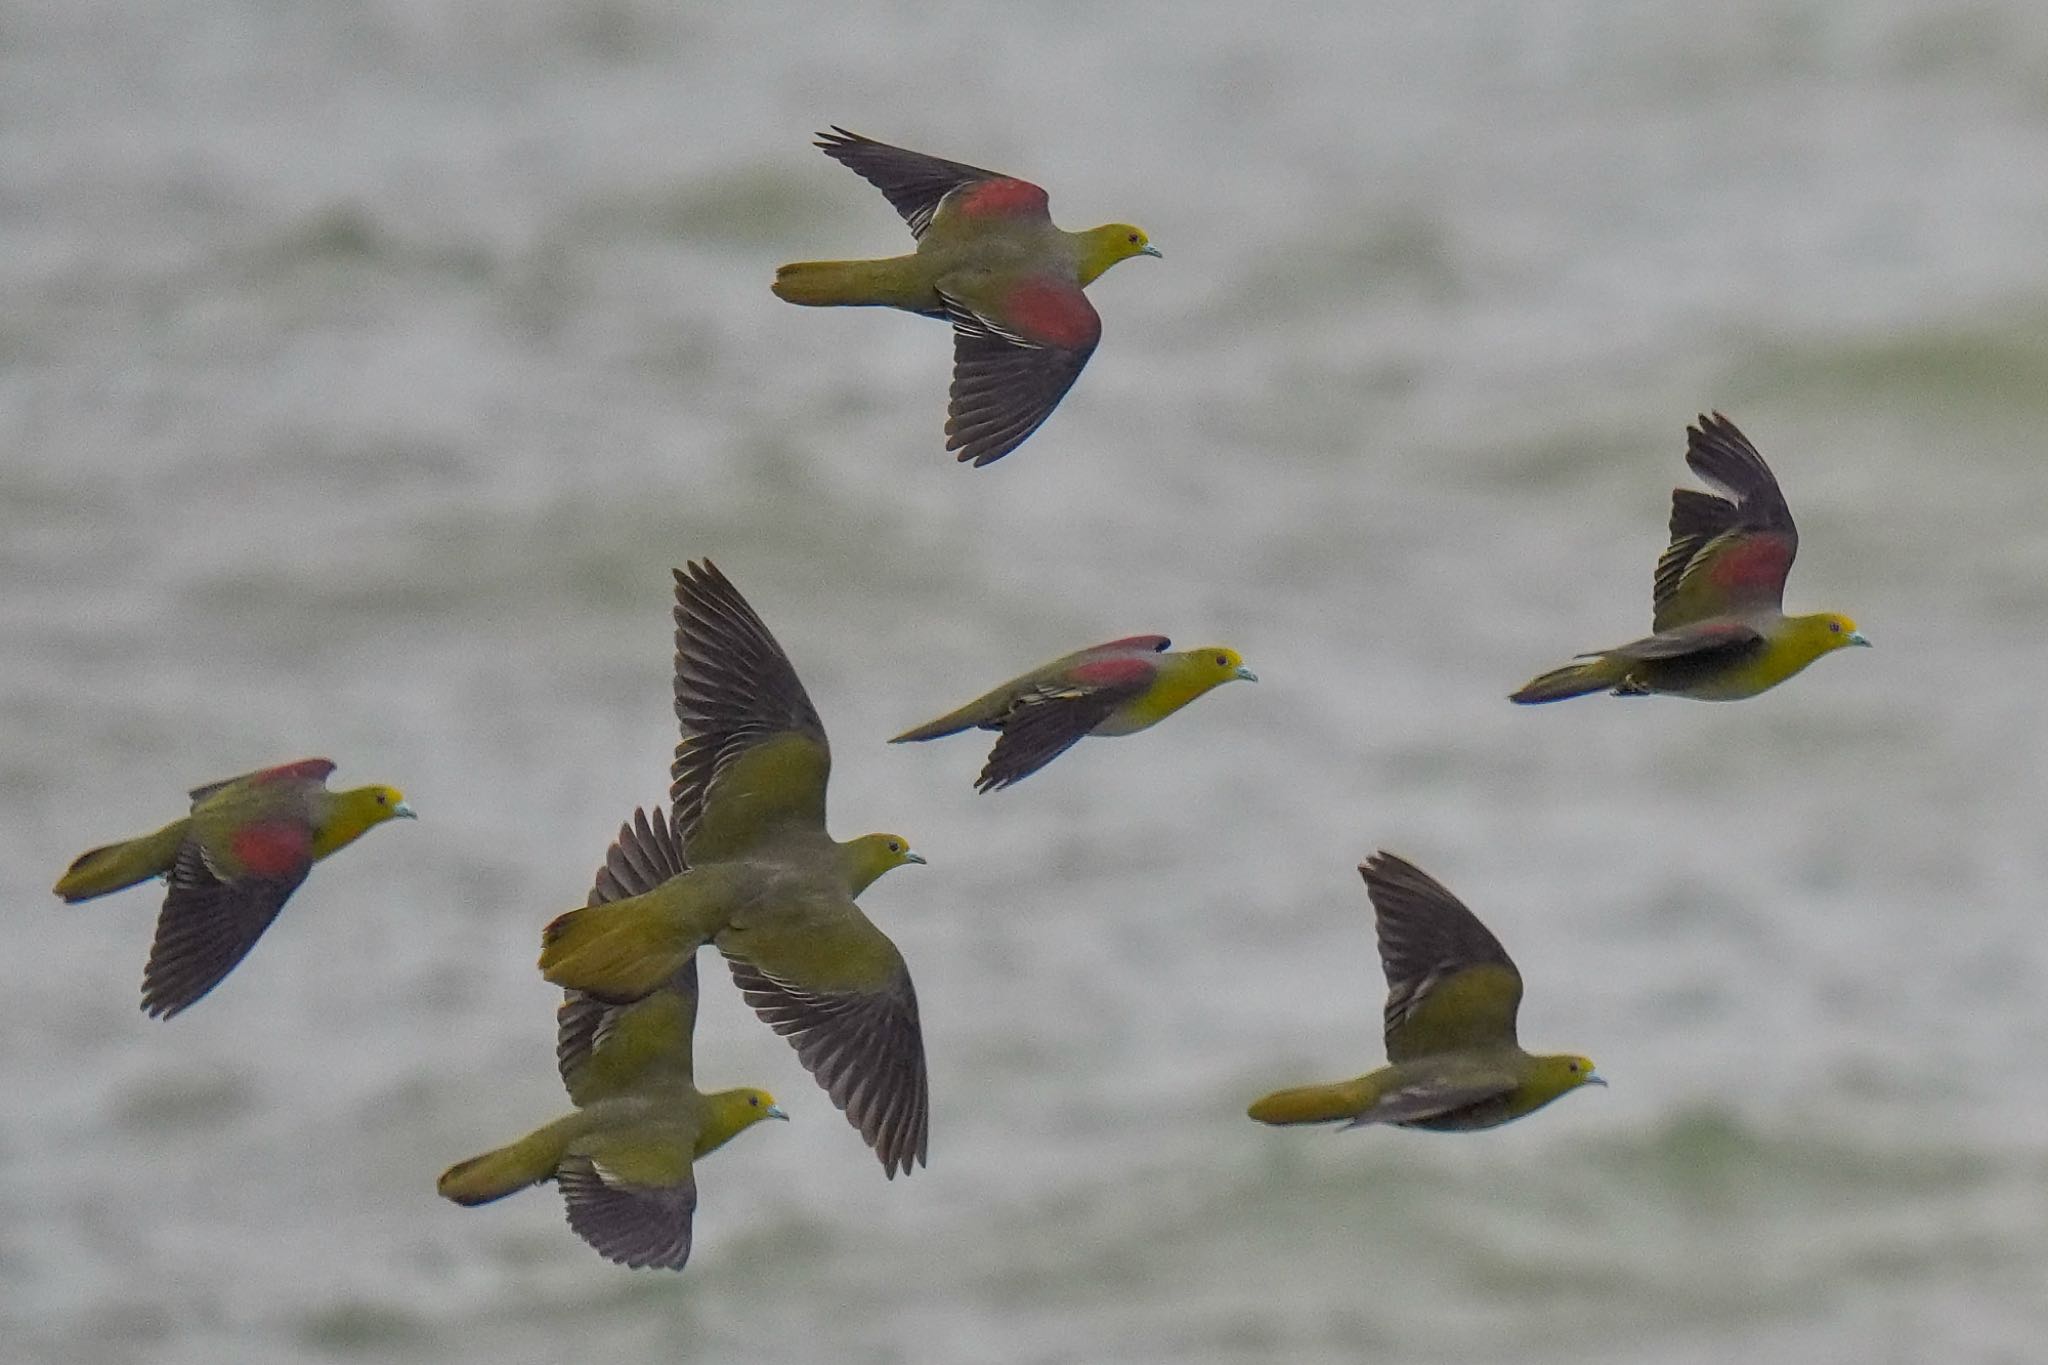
(1246, 674)
(402, 811)
(1857, 637)
(1595, 1078)
(913, 857)
(774, 1111)
(1152, 251)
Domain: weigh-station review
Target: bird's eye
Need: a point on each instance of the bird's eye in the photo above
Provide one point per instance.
(895, 847)
(755, 1100)
(1134, 236)
(1835, 626)
(380, 798)
(1575, 1066)
(1222, 662)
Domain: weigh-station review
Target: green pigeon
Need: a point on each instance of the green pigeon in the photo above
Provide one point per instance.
(1117, 688)
(1721, 629)
(990, 261)
(763, 881)
(232, 862)
(1452, 994)
(625, 1158)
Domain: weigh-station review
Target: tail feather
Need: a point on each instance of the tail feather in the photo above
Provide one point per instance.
(952, 723)
(1596, 674)
(615, 953)
(1309, 1104)
(505, 1171)
(114, 867)
(853, 284)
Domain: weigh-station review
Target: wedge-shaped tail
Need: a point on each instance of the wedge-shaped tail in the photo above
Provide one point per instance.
(1573, 680)
(507, 1170)
(854, 284)
(1309, 1104)
(616, 953)
(113, 867)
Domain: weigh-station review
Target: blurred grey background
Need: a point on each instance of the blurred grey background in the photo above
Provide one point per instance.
(365, 367)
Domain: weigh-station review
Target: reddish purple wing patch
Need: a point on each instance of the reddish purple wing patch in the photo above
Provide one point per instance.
(1118, 672)
(1003, 198)
(1050, 313)
(1752, 568)
(271, 849)
(306, 769)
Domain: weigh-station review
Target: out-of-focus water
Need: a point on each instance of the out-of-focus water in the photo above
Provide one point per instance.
(365, 368)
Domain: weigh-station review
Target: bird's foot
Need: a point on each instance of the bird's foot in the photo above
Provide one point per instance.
(1630, 687)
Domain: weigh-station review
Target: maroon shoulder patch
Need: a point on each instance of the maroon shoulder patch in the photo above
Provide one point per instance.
(1757, 563)
(1051, 314)
(306, 769)
(1003, 198)
(271, 848)
(1119, 672)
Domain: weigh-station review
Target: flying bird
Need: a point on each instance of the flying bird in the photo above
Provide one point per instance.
(1454, 1064)
(1117, 688)
(625, 1157)
(761, 879)
(990, 261)
(1721, 630)
(232, 862)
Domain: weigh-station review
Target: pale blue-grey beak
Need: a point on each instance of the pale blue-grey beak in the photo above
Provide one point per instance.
(1856, 637)
(1149, 250)
(913, 857)
(402, 811)
(1595, 1078)
(774, 1111)
(1246, 674)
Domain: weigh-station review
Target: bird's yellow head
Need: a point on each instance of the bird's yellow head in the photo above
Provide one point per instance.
(733, 1112)
(359, 809)
(1560, 1074)
(869, 856)
(1103, 247)
(1213, 666)
(1826, 631)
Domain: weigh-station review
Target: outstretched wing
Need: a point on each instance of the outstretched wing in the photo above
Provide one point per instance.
(1729, 555)
(605, 1049)
(915, 183)
(632, 1210)
(1450, 985)
(753, 758)
(1017, 349)
(208, 924)
(842, 996)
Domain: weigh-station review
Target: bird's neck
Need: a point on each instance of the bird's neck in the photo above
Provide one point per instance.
(1095, 251)
(341, 818)
(1179, 681)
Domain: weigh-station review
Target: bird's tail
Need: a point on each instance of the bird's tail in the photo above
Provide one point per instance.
(507, 1170)
(952, 723)
(837, 284)
(114, 866)
(617, 953)
(1309, 1104)
(1595, 674)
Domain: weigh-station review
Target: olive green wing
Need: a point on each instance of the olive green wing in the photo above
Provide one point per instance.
(753, 759)
(633, 1198)
(842, 995)
(1450, 985)
(603, 1050)
(1729, 555)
